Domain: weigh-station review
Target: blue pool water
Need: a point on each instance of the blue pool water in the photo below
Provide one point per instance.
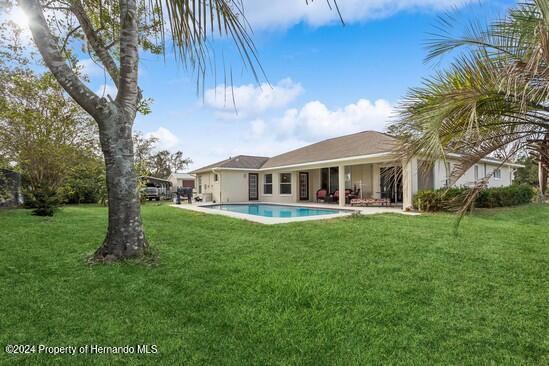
(266, 210)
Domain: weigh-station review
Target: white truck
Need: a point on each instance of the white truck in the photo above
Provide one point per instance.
(153, 192)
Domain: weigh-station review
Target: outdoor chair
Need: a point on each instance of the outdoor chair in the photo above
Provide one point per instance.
(354, 195)
(335, 197)
(321, 194)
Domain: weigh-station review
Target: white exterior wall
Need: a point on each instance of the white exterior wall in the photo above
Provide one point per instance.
(234, 186)
(362, 177)
(209, 185)
(469, 177)
(315, 182)
(276, 196)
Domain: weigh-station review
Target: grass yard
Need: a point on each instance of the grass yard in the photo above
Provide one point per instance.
(387, 289)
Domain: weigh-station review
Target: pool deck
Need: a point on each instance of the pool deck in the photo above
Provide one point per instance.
(203, 208)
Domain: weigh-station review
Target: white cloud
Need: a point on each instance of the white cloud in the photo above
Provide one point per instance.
(294, 128)
(167, 140)
(284, 13)
(316, 121)
(257, 128)
(251, 99)
(107, 89)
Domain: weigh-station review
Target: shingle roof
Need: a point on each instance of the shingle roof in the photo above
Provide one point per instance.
(182, 176)
(361, 143)
(237, 162)
(357, 144)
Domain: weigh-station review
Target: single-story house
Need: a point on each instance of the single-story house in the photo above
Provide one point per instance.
(361, 161)
(181, 180)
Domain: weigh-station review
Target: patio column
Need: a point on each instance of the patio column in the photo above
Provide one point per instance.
(341, 185)
(409, 183)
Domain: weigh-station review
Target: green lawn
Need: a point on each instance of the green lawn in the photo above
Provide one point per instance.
(387, 289)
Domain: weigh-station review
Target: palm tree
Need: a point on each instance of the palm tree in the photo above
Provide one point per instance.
(491, 101)
(114, 32)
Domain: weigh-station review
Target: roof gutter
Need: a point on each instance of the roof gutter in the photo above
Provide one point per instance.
(488, 160)
(350, 159)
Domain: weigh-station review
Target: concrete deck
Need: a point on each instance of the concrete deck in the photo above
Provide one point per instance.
(346, 211)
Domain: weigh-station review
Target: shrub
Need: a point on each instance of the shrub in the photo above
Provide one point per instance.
(428, 200)
(445, 199)
(84, 181)
(43, 199)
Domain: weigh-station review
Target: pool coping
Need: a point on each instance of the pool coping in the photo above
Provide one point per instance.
(263, 219)
(203, 208)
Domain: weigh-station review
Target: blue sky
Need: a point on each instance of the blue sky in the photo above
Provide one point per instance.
(326, 79)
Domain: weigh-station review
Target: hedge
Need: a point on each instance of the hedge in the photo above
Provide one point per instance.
(446, 199)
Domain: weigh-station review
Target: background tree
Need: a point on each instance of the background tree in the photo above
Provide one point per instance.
(143, 152)
(84, 179)
(491, 101)
(43, 132)
(164, 163)
(529, 174)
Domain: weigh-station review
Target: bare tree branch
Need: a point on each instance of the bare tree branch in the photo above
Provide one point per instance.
(96, 42)
(49, 49)
(67, 37)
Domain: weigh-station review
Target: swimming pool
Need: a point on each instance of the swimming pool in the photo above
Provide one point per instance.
(270, 210)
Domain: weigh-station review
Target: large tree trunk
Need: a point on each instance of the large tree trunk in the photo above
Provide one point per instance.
(125, 236)
(115, 117)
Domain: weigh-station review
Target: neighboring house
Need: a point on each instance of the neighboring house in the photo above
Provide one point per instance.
(363, 160)
(10, 189)
(181, 180)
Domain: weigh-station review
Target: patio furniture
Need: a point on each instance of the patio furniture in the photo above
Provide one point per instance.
(366, 202)
(335, 196)
(355, 194)
(321, 194)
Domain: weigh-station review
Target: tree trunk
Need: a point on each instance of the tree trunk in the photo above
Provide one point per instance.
(543, 167)
(125, 237)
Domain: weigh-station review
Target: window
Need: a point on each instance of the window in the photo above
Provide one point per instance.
(325, 178)
(216, 178)
(199, 184)
(285, 183)
(476, 173)
(268, 184)
(329, 178)
(497, 174)
(334, 179)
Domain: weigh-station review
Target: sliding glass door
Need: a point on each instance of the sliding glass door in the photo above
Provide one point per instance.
(390, 181)
(329, 178)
